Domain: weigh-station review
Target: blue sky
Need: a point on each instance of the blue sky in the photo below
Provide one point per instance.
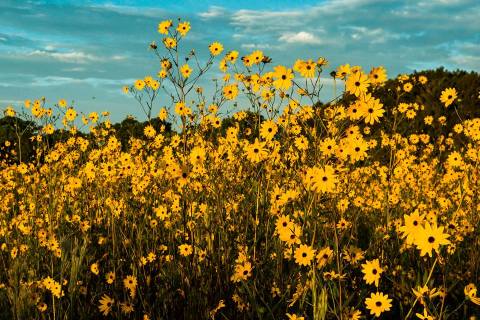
(86, 51)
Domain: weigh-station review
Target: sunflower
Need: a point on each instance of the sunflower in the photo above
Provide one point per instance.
(106, 304)
(321, 179)
(185, 250)
(283, 77)
(149, 131)
(304, 255)
(126, 307)
(373, 111)
(110, 277)
(372, 271)
(94, 268)
(71, 114)
(448, 96)
(268, 129)
(242, 272)
(215, 48)
(130, 282)
(324, 256)
(378, 303)
(164, 26)
(230, 91)
(186, 71)
(430, 237)
(343, 71)
(139, 84)
(183, 28)
(413, 224)
(256, 151)
(378, 76)
(357, 83)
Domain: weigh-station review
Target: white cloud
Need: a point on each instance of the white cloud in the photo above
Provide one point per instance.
(49, 81)
(7, 101)
(70, 57)
(299, 37)
(213, 12)
(253, 46)
(132, 11)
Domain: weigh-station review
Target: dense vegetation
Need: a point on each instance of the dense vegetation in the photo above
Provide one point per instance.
(364, 206)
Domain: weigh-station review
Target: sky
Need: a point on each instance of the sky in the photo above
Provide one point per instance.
(85, 51)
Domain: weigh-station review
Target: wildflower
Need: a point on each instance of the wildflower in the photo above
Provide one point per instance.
(71, 114)
(470, 291)
(185, 250)
(268, 129)
(110, 277)
(186, 71)
(324, 256)
(62, 103)
(106, 304)
(164, 26)
(183, 28)
(230, 92)
(130, 283)
(283, 77)
(372, 271)
(94, 268)
(139, 84)
(430, 237)
(304, 255)
(256, 151)
(149, 131)
(378, 76)
(448, 96)
(357, 84)
(372, 111)
(378, 303)
(215, 48)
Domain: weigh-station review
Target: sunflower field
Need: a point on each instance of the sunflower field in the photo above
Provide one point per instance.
(291, 209)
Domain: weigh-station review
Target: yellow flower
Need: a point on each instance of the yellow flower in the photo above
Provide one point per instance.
(304, 255)
(110, 277)
(448, 96)
(106, 304)
(283, 77)
(71, 114)
(357, 84)
(164, 26)
(149, 131)
(430, 237)
(130, 283)
(215, 48)
(183, 28)
(268, 129)
(378, 303)
(10, 112)
(62, 103)
(139, 84)
(372, 271)
(170, 43)
(185, 250)
(186, 70)
(181, 109)
(230, 92)
(94, 268)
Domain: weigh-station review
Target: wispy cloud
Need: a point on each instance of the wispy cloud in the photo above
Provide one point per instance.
(213, 12)
(153, 12)
(303, 37)
(70, 57)
(53, 81)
